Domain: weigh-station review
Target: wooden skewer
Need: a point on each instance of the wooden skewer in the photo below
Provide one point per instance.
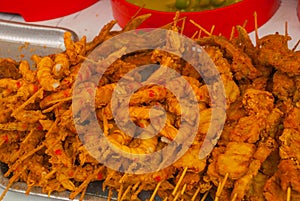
(294, 48)
(212, 29)
(220, 187)
(232, 33)
(200, 27)
(179, 181)
(286, 29)
(126, 192)
(256, 29)
(120, 192)
(136, 193)
(135, 186)
(56, 105)
(245, 23)
(234, 197)
(205, 196)
(123, 178)
(155, 191)
(109, 176)
(109, 194)
(83, 193)
(27, 102)
(200, 33)
(183, 189)
(196, 193)
(182, 26)
(288, 194)
(176, 197)
(194, 35)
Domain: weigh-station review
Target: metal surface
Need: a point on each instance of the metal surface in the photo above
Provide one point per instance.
(20, 40)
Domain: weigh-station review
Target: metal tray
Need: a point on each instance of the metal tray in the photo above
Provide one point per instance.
(93, 193)
(20, 40)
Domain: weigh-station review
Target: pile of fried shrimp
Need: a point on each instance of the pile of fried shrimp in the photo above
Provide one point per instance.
(255, 157)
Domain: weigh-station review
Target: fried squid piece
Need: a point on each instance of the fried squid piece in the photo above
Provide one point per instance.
(241, 64)
(273, 50)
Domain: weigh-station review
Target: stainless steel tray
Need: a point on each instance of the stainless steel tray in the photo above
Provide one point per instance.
(93, 193)
(20, 40)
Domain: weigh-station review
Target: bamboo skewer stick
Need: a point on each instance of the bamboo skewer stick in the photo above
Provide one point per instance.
(126, 192)
(245, 23)
(232, 33)
(183, 26)
(194, 35)
(199, 34)
(286, 29)
(294, 48)
(183, 189)
(212, 29)
(27, 102)
(120, 192)
(256, 29)
(288, 194)
(109, 194)
(179, 181)
(176, 196)
(196, 193)
(155, 191)
(234, 197)
(220, 187)
(205, 196)
(200, 27)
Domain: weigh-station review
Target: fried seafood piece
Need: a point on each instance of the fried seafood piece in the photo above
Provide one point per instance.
(217, 56)
(273, 50)
(44, 74)
(104, 94)
(232, 90)
(274, 192)
(30, 116)
(191, 160)
(241, 65)
(288, 165)
(55, 97)
(27, 74)
(61, 66)
(283, 86)
(9, 69)
(256, 190)
(258, 101)
(148, 94)
(248, 129)
(241, 162)
(74, 50)
(235, 159)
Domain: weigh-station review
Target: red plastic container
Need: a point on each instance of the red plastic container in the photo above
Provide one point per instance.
(223, 18)
(37, 10)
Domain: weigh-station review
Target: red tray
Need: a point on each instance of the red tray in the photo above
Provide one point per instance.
(37, 10)
(223, 18)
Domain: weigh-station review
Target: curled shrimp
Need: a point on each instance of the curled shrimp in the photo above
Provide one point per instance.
(27, 74)
(75, 50)
(29, 116)
(44, 75)
(137, 146)
(10, 85)
(61, 66)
